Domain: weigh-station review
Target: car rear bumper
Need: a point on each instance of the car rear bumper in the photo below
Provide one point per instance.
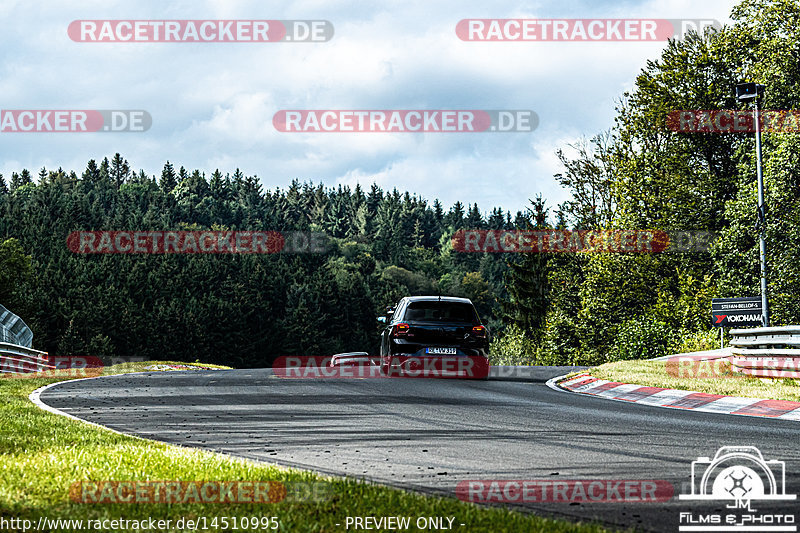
(406, 348)
(461, 366)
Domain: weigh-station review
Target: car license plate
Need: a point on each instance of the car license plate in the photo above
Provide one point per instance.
(441, 351)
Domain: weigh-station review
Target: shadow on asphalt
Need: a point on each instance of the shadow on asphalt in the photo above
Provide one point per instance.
(531, 374)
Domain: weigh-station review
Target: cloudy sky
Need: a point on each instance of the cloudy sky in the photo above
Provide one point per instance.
(212, 103)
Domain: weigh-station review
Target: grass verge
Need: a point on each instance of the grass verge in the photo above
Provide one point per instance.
(655, 374)
(42, 455)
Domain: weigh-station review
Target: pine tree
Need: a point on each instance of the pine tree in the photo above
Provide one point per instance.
(363, 223)
(198, 184)
(168, 180)
(455, 217)
(496, 219)
(418, 235)
(92, 173)
(474, 218)
(374, 199)
(141, 178)
(120, 170)
(18, 180)
(358, 197)
(217, 186)
(105, 173)
(526, 282)
(438, 212)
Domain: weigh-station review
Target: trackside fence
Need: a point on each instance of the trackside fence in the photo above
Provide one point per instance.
(766, 352)
(15, 359)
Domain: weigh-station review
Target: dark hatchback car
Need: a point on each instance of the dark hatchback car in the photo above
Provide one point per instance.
(443, 332)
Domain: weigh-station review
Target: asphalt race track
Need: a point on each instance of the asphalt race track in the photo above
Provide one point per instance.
(428, 434)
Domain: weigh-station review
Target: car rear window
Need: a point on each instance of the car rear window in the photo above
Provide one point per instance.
(435, 311)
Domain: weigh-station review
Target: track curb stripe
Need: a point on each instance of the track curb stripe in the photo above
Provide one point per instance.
(587, 384)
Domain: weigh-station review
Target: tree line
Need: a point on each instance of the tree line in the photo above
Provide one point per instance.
(240, 309)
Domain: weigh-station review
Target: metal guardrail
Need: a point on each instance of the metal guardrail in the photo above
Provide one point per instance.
(15, 359)
(16, 347)
(766, 352)
(13, 330)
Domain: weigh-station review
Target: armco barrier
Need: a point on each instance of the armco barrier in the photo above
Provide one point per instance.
(14, 330)
(21, 359)
(766, 352)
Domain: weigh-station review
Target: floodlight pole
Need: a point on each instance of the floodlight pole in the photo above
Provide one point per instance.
(762, 219)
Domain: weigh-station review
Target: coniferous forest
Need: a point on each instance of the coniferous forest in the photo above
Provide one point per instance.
(242, 309)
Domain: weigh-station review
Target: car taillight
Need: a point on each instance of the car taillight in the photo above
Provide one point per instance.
(401, 329)
(479, 331)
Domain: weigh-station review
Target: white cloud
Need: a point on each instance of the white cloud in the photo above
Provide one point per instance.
(212, 104)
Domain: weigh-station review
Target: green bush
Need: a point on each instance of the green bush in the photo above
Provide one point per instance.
(561, 342)
(513, 348)
(559, 347)
(696, 341)
(640, 338)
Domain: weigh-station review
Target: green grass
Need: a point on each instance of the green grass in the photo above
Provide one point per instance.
(42, 455)
(655, 374)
